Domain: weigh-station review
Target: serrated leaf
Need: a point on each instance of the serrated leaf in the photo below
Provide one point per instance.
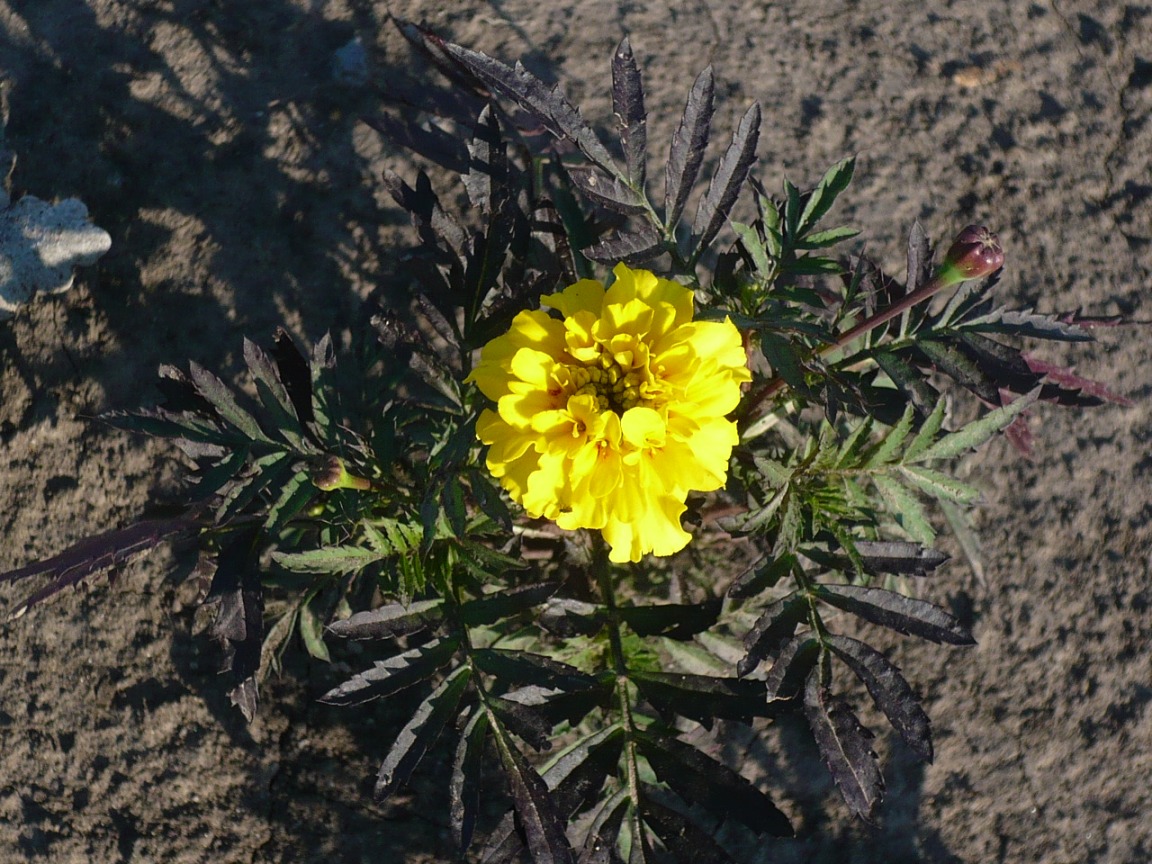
(566, 617)
(674, 620)
(312, 632)
(387, 622)
(919, 269)
(421, 732)
(884, 451)
(628, 105)
(686, 153)
(433, 223)
(893, 556)
(904, 614)
(330, 560)
(547, 104)
(600, 842)
(225, 404)
(524, 667)
(976, 433)
(609, 192)
(686, 841)
(294, 497)
(542, 825)
(765, 573)
(577, 774)
(791, 667)
(294, 373)
(777, 623)
(394, 674)
(890, 691)
(949, 359)
(824, 239)
(703, 781)
(1027, 322)
(910, 380)
(728, 180)
(940, 485)
(926, 434)
(493, 607)
(94, 555)
(846, 748)
(633, 247)
(464, 787)
(703, 698)
(906, 508)
(834, 181)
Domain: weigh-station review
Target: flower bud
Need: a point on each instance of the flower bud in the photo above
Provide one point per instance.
(331, 474)
(974, 254)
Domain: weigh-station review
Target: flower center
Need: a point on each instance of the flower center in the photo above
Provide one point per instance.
(611, 387)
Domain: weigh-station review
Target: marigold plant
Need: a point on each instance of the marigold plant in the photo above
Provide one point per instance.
(609, 416)
(798, 394)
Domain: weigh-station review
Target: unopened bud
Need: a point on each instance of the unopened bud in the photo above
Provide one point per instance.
(974, 254)
(331, 474)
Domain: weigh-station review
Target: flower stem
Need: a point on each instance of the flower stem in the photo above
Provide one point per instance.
(603, 573)
(975, 253)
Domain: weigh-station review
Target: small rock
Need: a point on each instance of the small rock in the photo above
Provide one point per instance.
(40, 244)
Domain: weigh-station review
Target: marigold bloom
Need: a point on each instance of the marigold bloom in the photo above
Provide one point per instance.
(608, 417)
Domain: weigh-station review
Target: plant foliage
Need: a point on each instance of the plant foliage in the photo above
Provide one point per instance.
(340, 495)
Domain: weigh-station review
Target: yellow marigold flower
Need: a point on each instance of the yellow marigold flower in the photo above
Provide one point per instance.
(607, 417)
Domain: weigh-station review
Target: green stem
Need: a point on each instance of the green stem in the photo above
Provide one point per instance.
(925, 292)
(603, 571)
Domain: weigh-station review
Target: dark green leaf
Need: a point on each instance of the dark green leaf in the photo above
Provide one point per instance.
(578, 774)
(674, 620)
(703, 781)
(686, 841)
(386, 622)
(792, 666)
(421, 732)
(542, 825)
(777, 623)
(312, 631)
(600, 841)
(464, 788)
(609, 192)
(834, 181)
(728, 179)
(919, 259)
(903, 614)
(524, 667)
(565, 617)
(294, 497)
(765, 573)
(957, 365)
(394, 674)
(892, 556)
(889, 690)
(213, 389)
(846, 748)
(703, 698)
(634, 247)
(686, 152)
(502, 604)
(547, 104)
(628, 105)
(976, 433)
(330, 560)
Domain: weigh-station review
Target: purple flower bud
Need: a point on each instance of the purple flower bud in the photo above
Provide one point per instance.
(974, 254)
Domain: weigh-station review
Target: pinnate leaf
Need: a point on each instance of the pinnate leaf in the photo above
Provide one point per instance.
(906, 615)
(420, 732)
(689, 142)
(846, 748)
(890, 691)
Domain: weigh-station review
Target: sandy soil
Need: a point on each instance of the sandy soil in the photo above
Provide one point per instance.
(212, 140)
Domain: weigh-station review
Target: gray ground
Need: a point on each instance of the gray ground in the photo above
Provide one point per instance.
(212, 142)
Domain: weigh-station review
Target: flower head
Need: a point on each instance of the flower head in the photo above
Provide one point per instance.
(610, 414)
